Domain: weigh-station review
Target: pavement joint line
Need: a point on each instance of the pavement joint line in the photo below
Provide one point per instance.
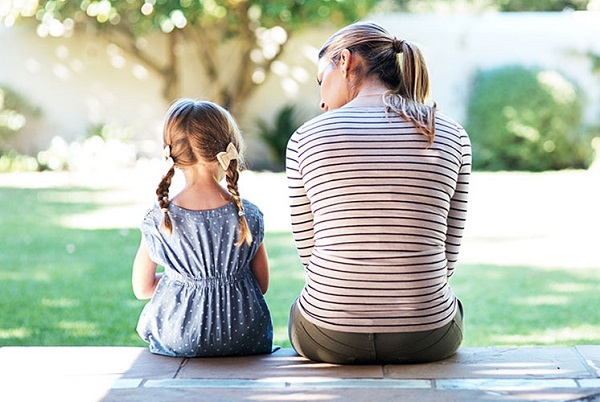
(589, 383)
(491, 384)
(505, 384)
(286, 383)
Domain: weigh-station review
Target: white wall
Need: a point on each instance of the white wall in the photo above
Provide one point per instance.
(80, 81)
(77, 82)
(455, 46)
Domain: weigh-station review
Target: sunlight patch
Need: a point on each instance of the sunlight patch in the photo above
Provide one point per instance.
(14, 333)
(105, 218)
(571, 287)
(545, 300)
(568, 336)
(79, 328)
(62, 303)
(13, 276)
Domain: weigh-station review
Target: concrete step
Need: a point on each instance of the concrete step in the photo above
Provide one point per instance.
(133, 374)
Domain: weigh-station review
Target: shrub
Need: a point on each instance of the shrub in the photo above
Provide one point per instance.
(15, 109)
(11, 161)
(277, 134)
(527, 119)
(105, 146)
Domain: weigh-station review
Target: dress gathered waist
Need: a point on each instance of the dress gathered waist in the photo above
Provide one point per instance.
(211, 281)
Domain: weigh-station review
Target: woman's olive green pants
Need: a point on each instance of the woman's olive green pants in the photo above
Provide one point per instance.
(324, 345)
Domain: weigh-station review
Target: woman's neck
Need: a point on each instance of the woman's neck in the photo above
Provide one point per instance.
(370, 94)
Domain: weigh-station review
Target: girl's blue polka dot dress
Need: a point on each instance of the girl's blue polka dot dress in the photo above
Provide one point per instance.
(208, 302)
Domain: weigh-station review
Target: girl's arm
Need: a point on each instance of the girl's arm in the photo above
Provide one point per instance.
(260, 268)
(144, 278)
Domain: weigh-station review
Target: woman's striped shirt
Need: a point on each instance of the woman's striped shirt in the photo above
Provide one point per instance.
(377, 216)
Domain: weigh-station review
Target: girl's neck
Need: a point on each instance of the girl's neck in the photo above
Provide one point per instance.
(202, 190)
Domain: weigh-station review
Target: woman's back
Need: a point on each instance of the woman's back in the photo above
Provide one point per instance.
(378, 198)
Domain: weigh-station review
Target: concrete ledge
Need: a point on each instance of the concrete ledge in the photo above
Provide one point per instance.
(132, 374)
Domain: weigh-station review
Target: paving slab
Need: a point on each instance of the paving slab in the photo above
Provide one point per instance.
(317, 395)
(284, 363)
(128, 362)
(502, 362)
(82, 374)
(591, 355)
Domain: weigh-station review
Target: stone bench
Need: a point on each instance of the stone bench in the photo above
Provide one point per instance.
(133, 374)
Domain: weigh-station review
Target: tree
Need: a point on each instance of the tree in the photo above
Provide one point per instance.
(235, 41)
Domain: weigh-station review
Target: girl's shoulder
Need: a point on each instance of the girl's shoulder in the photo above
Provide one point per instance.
(152, 212)
(251, 208)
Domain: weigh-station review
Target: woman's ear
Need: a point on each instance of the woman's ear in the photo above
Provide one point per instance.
(345, 62)
(345, 58)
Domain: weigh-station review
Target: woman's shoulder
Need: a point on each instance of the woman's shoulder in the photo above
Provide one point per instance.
(340, 118)
(444, 120)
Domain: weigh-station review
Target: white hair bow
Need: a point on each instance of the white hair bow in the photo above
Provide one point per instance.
(167, 156)
(226, 157)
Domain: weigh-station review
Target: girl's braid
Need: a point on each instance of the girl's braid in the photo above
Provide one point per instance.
(163, 199)
(232, 175)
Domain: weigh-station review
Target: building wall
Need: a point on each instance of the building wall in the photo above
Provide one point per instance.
(457, 46)
(82, 81)
(76, 82)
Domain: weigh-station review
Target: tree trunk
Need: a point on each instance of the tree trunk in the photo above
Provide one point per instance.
(171, 73)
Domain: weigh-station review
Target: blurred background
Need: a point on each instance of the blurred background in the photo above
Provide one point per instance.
(85, 84)
(82, 80)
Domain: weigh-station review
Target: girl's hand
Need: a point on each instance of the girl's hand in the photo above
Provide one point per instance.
(144, 278)
(260, 268)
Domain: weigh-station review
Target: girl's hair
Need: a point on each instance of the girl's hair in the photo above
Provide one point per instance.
(196, 131)
(397, 63)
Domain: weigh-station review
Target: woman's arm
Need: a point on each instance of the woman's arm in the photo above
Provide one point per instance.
(457, 215)
(260, 268)
(300, 208)
(144, 278)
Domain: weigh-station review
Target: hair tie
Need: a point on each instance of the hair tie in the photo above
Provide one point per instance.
(226, 157)
(397, 45)
(164, 210)
(241, 213)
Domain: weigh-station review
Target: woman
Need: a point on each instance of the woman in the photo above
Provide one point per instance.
(378, 192)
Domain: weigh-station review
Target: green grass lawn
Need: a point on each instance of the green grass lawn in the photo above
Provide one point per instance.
(65, 286)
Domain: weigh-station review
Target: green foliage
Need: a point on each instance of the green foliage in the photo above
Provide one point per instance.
(542, 5)
(595, 59)
(11, 161)
(15, 110)
(277, 134)
(487, 5)
(527, 119)
(140, 17)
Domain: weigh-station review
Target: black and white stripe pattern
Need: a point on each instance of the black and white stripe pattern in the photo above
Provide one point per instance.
(378, 216)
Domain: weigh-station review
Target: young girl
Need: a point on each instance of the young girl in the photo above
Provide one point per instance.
(209, 300)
